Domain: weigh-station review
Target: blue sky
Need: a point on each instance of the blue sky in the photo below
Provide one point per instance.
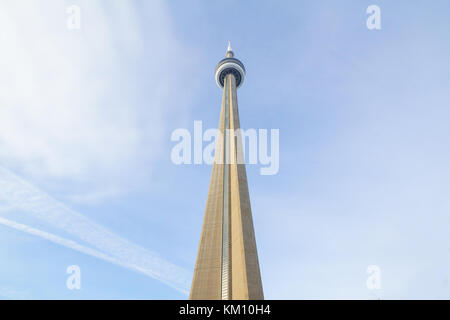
(85, 123)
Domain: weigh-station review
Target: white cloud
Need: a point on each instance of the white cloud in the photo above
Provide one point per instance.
(69, 106)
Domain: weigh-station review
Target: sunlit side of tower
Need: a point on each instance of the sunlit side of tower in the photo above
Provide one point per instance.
(227, 264)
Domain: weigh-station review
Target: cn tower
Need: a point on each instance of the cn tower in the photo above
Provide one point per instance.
(227, 264)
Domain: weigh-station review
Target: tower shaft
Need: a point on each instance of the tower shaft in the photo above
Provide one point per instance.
(227, 264)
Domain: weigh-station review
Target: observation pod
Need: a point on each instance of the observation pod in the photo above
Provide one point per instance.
(230, 65)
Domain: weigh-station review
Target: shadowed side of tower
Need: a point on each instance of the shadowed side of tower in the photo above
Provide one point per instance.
(227, 264)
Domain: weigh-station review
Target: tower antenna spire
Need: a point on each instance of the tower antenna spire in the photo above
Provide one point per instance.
(229, 53)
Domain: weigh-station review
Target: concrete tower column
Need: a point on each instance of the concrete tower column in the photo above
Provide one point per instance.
(227, 264)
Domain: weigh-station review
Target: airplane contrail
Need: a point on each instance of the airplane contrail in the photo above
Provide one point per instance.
(111, 247)
(78, 247)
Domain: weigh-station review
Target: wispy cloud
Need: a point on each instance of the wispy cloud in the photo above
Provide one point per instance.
(74, 113)
(75, 105)
(111, 247)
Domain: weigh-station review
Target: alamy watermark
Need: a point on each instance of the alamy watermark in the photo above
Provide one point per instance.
(191, 150)
(73, 282)
(74, 17)
(373, 21)
(373, 282)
